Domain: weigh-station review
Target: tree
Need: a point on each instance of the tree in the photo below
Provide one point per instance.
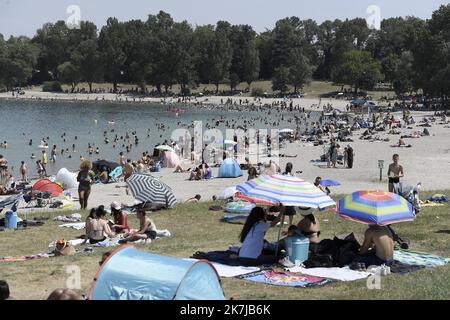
(53, 43)
(85, 57)
(87, 60)
(389, 66)
(138, 53)
(111, 44)
(245, 61)
(69, 73)
(280, 80)
(18, 57)
(403, 79)
(300, 70)
(218, 55)
(358, 70)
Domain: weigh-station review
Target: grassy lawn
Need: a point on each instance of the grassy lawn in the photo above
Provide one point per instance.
(313, 90)
(195, 228)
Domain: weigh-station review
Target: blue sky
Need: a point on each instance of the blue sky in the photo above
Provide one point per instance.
(23, 17)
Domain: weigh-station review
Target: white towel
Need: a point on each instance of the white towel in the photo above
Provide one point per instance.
(226, 271)
(343, 274)
(76, 226)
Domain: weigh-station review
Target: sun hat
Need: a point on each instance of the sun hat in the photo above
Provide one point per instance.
(305, 211)
(115, 205)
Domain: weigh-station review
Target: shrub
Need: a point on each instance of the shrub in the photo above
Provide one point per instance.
(52, 86)
(257, 92)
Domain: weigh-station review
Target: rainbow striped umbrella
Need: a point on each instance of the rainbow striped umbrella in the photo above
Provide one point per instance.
(282, 189)
(375, 207)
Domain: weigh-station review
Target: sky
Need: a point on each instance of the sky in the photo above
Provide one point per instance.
(24, 17)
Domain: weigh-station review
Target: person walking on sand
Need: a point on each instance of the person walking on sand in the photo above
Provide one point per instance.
(86, 179)
(395, 172)
(350, 156)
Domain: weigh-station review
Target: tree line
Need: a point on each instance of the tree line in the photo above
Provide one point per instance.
(409, 54)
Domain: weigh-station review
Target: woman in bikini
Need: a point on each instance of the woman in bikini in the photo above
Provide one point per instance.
(147, 229)
(86, 179)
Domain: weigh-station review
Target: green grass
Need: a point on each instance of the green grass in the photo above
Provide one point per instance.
(314, 90)
(195, 228)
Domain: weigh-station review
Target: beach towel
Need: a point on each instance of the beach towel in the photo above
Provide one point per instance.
(76, 217)
(415, 258)
(439, 198)
(26, 258)
(76, 226)
(234, 218)
(341, 274)
(113, 242)
(285, 279)
(231, 271)
(222, 257)
(403, 268)
(239, 207)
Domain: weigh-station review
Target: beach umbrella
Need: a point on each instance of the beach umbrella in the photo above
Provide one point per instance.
(164, 147)
(45, 185)
(375, 207)
(286, 131)
(171, 160)
(147, 188)
(282, 189)
(330, 183)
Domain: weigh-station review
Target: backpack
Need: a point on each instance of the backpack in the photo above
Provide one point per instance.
(64, 248)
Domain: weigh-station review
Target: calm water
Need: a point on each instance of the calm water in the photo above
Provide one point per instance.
(21, 121)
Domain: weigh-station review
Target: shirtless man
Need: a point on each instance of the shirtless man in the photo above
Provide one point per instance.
(128, 170)
(377, 248)
(395, 172)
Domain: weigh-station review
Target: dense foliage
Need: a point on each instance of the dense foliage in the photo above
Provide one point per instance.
(408, 54)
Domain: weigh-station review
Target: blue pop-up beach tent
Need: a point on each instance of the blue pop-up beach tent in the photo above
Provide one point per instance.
(130, 274)
(230, 169)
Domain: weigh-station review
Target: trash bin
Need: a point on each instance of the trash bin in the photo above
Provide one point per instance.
(10, 220)
(297, 249)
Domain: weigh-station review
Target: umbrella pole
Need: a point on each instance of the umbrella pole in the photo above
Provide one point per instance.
(279, 234)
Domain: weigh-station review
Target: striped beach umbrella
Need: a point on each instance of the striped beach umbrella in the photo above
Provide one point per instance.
(282, 189)
(147, 188)
(375, 207)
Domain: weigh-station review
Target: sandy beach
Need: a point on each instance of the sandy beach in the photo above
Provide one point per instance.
(427, 161)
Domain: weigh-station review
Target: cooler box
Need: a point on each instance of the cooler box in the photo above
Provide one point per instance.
(10, 220)
(297, 249)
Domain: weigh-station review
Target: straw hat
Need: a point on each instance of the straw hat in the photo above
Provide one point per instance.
(305, 211)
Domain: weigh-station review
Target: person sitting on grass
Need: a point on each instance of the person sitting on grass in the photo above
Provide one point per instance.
(195, 199)
(120, 218)
(377, 248)
(4, 291)
(97, 228)
(252, 237)
(147, 229)
(309, 227)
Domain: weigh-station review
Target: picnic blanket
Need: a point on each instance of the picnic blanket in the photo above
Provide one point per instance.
(341, 274)
(416, 258)
(26, 258)
(439, 198)
(234, 218)
(224, 257)
(226, 271)
(285, 279)
(112, 242)
(75, 217)
(76, 226)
